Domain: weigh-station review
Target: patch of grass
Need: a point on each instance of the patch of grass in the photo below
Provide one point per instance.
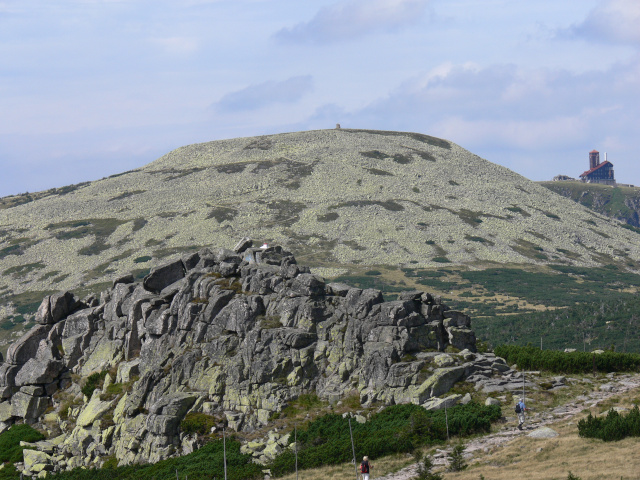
(441, 260)
(48, 275)
(139, 223)
(529, 249)
(328, 217)
(377, 171)
(21, 270)
(519, 210)
(196, 422)
(286, 212)
(126, 195)
(270, 322)
(472, 238)
(389, 205)
(10, 449)
(222, 214)
(376, 154)
(402, 159)
(260, 143)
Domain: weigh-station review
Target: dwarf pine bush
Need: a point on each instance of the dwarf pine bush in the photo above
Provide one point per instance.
(532, 358)
(611, 427)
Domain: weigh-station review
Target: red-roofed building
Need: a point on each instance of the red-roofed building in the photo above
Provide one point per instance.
(598, 172)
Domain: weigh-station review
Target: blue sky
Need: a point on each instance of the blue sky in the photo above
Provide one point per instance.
(89, 88)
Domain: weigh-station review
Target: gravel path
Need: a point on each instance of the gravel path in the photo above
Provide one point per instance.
(614, 386)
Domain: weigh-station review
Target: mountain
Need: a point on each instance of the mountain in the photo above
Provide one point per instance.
(342, 200)
(620, 202)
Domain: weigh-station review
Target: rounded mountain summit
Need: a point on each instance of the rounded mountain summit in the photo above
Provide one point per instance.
(332, 197)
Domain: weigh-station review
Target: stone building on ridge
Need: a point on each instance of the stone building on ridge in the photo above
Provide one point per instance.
(598, 172)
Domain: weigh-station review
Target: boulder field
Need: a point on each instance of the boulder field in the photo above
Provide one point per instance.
(235, 334)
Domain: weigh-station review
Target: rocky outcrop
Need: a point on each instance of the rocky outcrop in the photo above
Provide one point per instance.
(235, 334)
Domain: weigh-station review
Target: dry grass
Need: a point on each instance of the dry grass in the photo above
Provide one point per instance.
(553, 458)
(381, 467)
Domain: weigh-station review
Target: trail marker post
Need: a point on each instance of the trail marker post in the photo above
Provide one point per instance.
(224, 452)
(353, 449)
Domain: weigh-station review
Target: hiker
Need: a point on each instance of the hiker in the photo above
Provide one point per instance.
(365, 467)
(520, 409)
(264, 246)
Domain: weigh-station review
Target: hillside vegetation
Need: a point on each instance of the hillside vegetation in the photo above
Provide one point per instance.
(621, 203)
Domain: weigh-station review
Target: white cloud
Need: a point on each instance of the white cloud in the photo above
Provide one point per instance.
(355, 18)
(177, 45)
(614, 21)
(536, 121)
(256, 96)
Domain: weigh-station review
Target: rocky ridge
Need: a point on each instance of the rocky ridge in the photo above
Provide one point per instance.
(235, 334)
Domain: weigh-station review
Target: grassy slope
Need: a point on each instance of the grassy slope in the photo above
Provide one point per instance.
(622, 203)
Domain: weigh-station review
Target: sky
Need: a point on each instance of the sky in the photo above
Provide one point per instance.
(90, 88)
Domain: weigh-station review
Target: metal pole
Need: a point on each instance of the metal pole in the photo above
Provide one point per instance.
(224, 452)
(446, 419)
(295, 447)
(177, 478)
(353, 449)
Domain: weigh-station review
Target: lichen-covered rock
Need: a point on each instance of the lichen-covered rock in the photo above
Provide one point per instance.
(95, 409)
(5, 412)
(233, 334)
(163, 276)
(27, 406)
(439, 383)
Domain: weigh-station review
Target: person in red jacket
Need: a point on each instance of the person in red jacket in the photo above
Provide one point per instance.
(365, 466)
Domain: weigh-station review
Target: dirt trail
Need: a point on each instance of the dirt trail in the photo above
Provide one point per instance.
(613, 386)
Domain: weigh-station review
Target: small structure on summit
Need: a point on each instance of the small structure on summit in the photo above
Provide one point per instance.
(598, 172)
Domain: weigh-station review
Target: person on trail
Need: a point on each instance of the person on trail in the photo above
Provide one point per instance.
(520, 409)
(365, 466)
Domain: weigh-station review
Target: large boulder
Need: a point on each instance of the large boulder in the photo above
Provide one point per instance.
(37, 371)
(27, 406)
(438, 384)
(94, 410)
(27, 346)
(55, 307)
(161, 277)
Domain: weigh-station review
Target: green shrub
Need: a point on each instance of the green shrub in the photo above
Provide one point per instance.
(456, 459)
(424, 468)
(399, 428)
(532, 358)
(611, 427)
(199, 423)
(10, 449)
(203, 464)
(95, 380)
